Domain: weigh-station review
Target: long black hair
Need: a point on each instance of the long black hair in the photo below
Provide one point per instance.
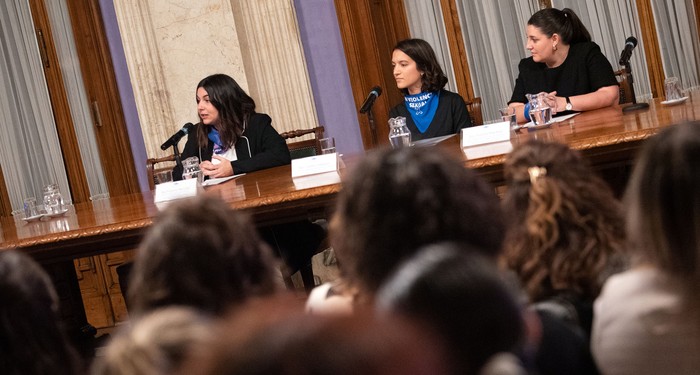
(563, 22)
(233, 104)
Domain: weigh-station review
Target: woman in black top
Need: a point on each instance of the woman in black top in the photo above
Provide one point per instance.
(565, 63)
(429, 109)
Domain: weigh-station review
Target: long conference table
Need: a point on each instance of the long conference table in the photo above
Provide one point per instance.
(606, 137)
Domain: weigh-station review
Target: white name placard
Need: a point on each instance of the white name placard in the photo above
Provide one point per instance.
(316, 180)
(175, 190)
(483, 134)
(314, 165)
(489, 149)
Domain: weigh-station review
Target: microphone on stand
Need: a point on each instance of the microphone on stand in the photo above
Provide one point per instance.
(625, 56)
(175, 138)
(630, 43)
(373, 95)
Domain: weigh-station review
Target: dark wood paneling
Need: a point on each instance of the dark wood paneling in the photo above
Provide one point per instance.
(651, 48)
(103, 95)
(77, 180)
(370, 29)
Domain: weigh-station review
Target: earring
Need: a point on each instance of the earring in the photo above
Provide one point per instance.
(554, 47)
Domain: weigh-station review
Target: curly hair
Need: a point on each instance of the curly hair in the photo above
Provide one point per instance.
(396, 201)
(422, 53)
(202, 254)
(565, 229)
(233, 104)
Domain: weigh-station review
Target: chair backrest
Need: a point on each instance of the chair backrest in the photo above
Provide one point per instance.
(308, 147)
(152, 167)
(474, 109)
(625, 91)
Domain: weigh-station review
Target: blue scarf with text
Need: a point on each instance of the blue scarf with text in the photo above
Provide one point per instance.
(422, 107)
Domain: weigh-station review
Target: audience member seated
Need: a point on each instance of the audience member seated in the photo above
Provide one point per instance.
(565, 233)
(155, 344)
(647, 319)
(203, 254)
(275, 337)
(396, 201)
(461, 294)
(32, 341)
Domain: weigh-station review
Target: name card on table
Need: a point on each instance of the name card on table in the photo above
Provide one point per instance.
(314, 165)
(483, 134)
(175, 190)
(489, 149)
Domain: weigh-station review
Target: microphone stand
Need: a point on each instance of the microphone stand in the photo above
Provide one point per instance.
(372, 126)
(634, 106)
(176, 152)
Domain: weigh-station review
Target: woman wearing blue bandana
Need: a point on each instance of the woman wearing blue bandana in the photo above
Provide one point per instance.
(232, 138)
(430, 110)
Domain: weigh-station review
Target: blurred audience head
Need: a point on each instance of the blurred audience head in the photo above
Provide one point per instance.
(31, 338)
(203, 254)
(397, 201)
(156, 343)
(663, 204)
(566, 229)
(276, 337)
(461, 294)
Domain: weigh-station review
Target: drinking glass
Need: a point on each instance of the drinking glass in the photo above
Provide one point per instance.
(30, 209)
(163, 176)
(672, 86)
(327, 145)
(508, 115)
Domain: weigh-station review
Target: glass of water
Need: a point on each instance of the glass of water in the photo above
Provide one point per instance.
(327, 145)
(508, 115)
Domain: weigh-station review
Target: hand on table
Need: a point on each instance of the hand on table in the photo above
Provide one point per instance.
(216, 170)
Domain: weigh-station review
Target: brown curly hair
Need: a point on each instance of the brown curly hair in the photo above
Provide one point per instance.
(566, 229)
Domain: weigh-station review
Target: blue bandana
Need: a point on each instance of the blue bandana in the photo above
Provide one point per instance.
(422, 107)
(214, 137)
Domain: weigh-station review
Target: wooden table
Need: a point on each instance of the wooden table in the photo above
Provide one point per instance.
(605, 136)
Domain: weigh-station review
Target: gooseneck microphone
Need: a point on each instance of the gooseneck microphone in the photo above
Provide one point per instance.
(373, 95)
(175, 138)
(630, 43)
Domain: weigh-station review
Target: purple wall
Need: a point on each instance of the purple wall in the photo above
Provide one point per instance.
(328, 72)
(133, 125)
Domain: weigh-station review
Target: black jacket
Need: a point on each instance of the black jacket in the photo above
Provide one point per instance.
(259, 147)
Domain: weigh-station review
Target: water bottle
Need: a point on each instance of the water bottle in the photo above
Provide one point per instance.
(399, 135)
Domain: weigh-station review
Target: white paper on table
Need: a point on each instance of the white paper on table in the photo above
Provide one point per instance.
(431, 141)
(554, 119)
(175, 190)
(316, 180)
(484, 134)
(216, 181)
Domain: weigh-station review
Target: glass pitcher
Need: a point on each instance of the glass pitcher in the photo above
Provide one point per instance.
(190, 169)
(399, 135)
(53, 201)
(540, 112)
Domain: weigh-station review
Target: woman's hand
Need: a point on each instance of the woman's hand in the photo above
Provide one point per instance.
(215, 169)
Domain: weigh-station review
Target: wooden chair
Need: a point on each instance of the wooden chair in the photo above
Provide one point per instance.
(154, 165)
(625, 91)
(474, 109)
(308, 147)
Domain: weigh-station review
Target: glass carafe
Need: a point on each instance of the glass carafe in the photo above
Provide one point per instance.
(399, 135)
(540, 112)
(190, 169)
(53, 201)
